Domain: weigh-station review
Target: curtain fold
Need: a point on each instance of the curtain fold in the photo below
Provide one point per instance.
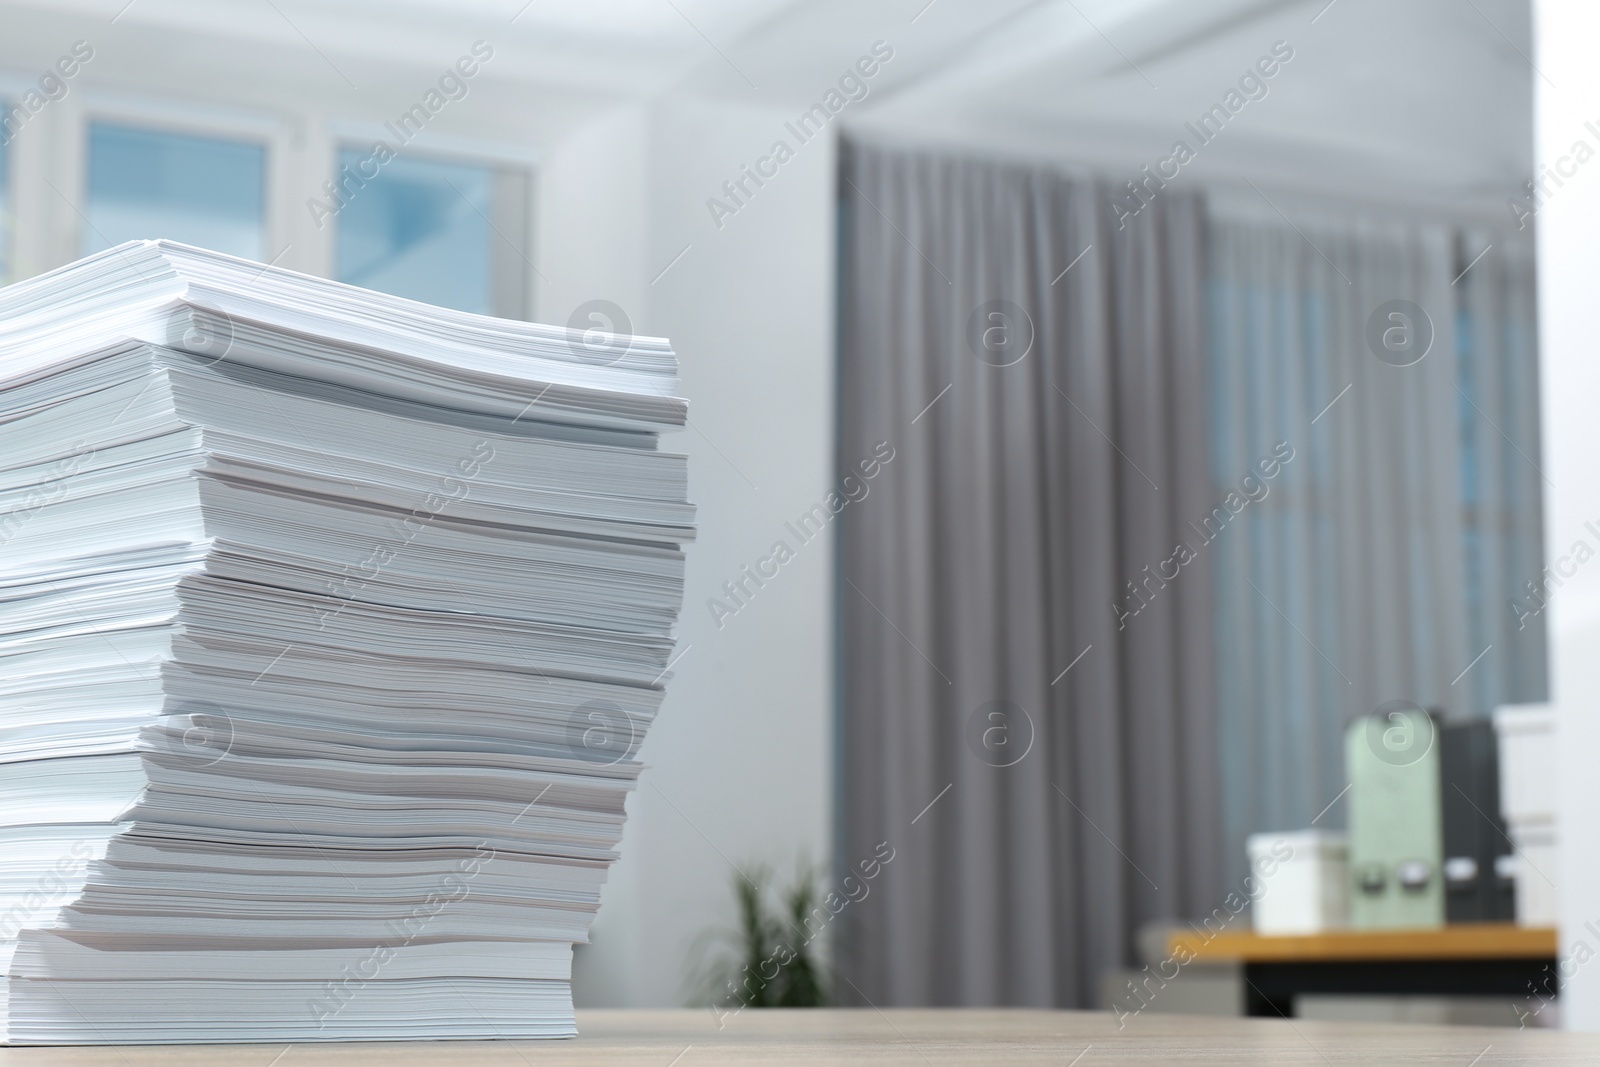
(1027, 679)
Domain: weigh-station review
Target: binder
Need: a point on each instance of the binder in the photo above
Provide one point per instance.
(1477, 882)
(1396, 842)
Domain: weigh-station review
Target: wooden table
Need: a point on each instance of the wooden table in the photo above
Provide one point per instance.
(1467, 959)
(921, 1038)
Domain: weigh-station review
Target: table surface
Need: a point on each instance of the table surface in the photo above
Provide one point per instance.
(1477, 941)
(913, 1038)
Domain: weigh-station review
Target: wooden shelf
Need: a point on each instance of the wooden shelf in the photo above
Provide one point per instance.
(1478, 941)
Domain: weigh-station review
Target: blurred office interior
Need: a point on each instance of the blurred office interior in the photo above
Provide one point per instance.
(1178, 523)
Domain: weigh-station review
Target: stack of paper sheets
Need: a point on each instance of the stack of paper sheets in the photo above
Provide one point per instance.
(332, 623)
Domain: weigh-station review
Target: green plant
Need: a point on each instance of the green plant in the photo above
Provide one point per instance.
(769, 958)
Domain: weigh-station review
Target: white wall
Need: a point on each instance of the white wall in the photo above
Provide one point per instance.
(1569, 280)
(740, 757)
(590, 220)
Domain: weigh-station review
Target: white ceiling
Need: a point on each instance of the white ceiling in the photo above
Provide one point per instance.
(1432, 98)
(612, 47)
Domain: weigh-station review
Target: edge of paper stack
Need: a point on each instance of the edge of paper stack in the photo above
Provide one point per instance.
(333, 622)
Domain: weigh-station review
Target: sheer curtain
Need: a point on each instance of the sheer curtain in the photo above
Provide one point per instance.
(1029, 485)
(1501, 469)
(1381, 564)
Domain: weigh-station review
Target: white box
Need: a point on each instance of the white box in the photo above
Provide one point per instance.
(1305, 881)
(1528, 757)
(1534, 862)
(1527, 735)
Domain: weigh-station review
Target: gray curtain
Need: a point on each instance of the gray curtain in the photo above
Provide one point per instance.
(988, 559)
(1383, 563)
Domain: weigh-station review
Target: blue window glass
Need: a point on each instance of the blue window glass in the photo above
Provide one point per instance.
(205, 191)
(420, 229)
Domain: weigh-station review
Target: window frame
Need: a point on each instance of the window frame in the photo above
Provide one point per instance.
(47, 179)
(511, 228)
(159, 127)
(183, 117)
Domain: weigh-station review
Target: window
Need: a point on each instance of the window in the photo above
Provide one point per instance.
(447, 233)
(146, 183)
(448, 229)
